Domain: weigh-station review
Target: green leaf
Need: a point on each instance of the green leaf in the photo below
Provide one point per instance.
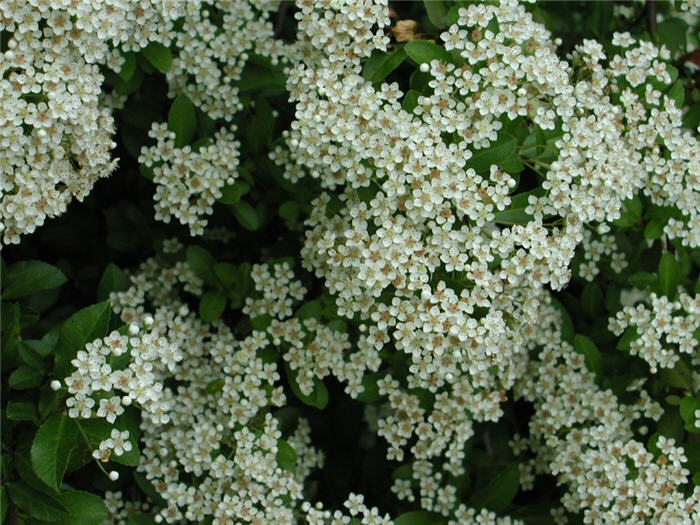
(261, 126)
(514, 216)
(245, 215)
(381, 64)
(410, 101)
(630, 335)
(496, 153)
(309, 310)
(286, 456)
(114, 279)
(140, 518)
(227, 273)
(641, 279)
(655, 228)
(631, 213)
(679, 376)
(423, 51)
(317, 398)
(437, 12)
(82, 327)
(51, 448)
(4, 502)
(419, 517)
(289, 210)
(202, 264)
(671, 32)
(36, 504)
(499, 492)
(182, 120)
(28, 277)
(128, 67)
(211, 306)
(231, 194)
(669, 275)
(593, 357)
(21, 411)
(688, 406)
(24, 377)
(158, 55)
(592, 300)
(83, 508)
(261, 322)
(370, 392)
(677, 94)
(30, 357)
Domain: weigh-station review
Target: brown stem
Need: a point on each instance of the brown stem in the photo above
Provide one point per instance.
(651, 17)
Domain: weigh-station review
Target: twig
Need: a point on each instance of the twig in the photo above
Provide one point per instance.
(651, 17)
(280, 17)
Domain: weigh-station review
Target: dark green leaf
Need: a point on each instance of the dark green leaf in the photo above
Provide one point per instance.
(677, 94)
(289, 210)
(24, 377)
(82, 327)
(311, 309)
(514, 216)
(496, 153)
(232, 194)
(381, 64)
(641, 279)
(36, 504)
(669, 275)
(245, 215)
(51, 448)
(655, 228)
(679, 376)
(593, 357)
(317, 398)
(182, 120)
(27, 277)
(410, 101)
(592, 300)
(286, 456)
(21, 411)
(422, 51)
(83, 508)
(202, 264)
(437, 12)
(419, 517)
(113, 280)
(211, 306)
(128, 67)
(499, 492)
(630, 335)
(671, 32)
(158, 55)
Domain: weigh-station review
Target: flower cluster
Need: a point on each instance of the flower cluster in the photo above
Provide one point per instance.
(585, 436)
(119, 370)
(664, 329)
(55, 135)
(229, 390)
(189, 179)
(594, 248)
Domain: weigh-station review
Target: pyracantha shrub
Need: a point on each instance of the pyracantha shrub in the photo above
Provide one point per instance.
(358, 262)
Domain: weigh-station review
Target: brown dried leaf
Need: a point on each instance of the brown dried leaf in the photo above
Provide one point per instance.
(405, 30)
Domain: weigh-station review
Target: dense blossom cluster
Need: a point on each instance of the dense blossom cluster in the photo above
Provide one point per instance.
(665, 329)
(595, 248)
(228, 390)
(189, 180)
(586, 437)
(437, 261)
(56, 136)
